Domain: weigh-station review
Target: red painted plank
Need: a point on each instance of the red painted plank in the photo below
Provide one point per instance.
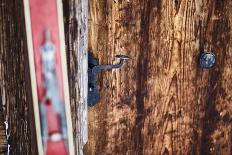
(44, 16)
(49, 98)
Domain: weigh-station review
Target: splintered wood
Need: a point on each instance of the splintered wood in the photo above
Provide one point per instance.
(76, 34)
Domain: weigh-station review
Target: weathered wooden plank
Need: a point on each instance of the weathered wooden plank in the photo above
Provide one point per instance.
(76, 12)
(14, 75)
(161, 102)
(3, 138)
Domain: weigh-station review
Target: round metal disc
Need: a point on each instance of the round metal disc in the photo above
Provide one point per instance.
(207, 60)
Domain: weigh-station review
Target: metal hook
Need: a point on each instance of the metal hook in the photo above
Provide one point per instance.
(93, 70)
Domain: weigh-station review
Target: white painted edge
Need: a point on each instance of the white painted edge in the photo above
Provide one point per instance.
(65, 77)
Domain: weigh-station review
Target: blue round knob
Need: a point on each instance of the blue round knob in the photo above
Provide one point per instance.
(207, 60)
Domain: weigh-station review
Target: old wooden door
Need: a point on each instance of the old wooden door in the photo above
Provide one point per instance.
(161, 101)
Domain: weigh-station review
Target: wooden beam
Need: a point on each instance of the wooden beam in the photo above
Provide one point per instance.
(76, 31)
(14, 73)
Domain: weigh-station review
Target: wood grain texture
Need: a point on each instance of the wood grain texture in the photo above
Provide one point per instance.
(76, 34)
(161, 102)
(3, 139)
(14, 76)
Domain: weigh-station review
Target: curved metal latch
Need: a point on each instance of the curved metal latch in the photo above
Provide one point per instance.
(93, 70)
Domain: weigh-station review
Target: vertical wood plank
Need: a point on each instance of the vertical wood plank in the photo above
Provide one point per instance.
(14, 73)
(76, 18)
(3, 139)
(13, 76)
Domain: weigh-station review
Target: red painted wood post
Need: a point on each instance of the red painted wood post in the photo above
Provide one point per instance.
(48, 73)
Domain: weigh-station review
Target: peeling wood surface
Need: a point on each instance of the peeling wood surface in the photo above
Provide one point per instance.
(14, 75)
(76, 33)
(161, 102)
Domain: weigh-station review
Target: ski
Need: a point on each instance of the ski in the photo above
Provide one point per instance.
(48, 73)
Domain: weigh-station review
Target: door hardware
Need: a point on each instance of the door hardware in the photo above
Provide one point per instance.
(93, 70)
(207, 60)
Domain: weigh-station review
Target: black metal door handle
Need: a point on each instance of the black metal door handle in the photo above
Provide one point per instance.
(93, 70)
